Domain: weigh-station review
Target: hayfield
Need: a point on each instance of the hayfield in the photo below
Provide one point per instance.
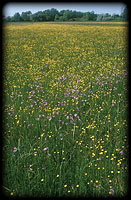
(65, 110)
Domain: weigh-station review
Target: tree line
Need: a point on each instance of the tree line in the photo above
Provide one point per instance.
(65, 15)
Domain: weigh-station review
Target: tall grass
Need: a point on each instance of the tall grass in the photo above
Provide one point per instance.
(65, 110)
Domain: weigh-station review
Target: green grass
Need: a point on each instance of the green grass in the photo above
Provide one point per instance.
(65, 111)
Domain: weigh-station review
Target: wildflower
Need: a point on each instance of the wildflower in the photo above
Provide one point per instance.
(50, 118)
(35, 153)
(42, 180)
(38, 119)
(121, 152)
(11, 193)
(111, 191)
(77, 186)
(65, 185)
(45, 149)
(75, 115)
(97, 186)
(93, 154)
(14, 149)
(57, 175)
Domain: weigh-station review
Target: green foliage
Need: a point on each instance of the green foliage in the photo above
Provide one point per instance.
(90, 16)
(17, 17)
(125, 14)
(65, 110)
(26, 16)
(65, 15)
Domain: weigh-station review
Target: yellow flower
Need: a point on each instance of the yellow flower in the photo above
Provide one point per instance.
(77, 186)
(42, 180)
(65, 185)
(98, 168)
(93, 154)
(57, 175)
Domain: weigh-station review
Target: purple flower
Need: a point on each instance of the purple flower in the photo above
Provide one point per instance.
(43, 169)
(14, 149)
(121, 152)
(112, 191)
(97, 186)
(38, 119)
(75, 115)
(45, 149)
(50, 118)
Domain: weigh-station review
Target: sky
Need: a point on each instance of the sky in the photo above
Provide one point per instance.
(10, 9)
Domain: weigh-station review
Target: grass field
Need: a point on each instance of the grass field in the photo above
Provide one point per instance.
(65, 110)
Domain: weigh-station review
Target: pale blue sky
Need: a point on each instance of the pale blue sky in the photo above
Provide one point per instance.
(11, 8)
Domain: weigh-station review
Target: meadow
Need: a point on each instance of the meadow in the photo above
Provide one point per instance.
(65, 117)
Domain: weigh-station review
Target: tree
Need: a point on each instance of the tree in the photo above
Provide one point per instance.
(125, 14)
(39, 16)
(56, 17)
(68, 14)
(107, 15)
(116, 17)
(91, 16)
(53, 13)
(61, 13)
(26, 16)
(17, 17)
(8, 19)
(61, 18)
